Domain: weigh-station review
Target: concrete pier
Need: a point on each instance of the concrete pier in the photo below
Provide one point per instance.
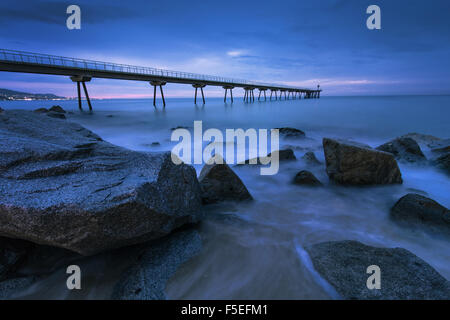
(82, 71)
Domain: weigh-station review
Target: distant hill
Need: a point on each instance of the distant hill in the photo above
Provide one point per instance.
(6, 94)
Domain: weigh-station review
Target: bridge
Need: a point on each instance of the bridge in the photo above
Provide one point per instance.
(81, 71)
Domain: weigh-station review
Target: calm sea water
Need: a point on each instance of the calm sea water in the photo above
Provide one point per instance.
(255, 251)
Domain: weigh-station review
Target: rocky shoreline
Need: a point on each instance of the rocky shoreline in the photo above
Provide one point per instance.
(65, 189)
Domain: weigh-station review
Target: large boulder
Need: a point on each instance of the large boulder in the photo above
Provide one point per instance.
(62, 185)
(357, 164)
(305, 177)
(289, 132)
(403, 275)
(404, 149)
(220, 183)
(147, 277)
(419, 210)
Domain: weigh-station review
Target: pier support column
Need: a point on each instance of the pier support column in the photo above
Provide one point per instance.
(160, 84)
(231, 93)
(82, 80)
(201, 86)
(249, 94)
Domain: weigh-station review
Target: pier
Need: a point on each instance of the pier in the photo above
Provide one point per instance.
(81, 71)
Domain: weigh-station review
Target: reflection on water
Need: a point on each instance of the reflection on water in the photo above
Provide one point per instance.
(254, 250)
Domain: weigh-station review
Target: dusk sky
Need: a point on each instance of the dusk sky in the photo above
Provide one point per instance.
(302, 43)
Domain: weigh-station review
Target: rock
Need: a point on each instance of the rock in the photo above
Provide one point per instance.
(41, 110)
(56, 115)
(404, 149)
(443, 162)
(12, 253)
(306, 178)
(419, 210)
(57, 109)
(146, 279)
(310, 158)
(1, 110)
(286, 154)
(61, 185)
(356, 164)
(179, 127)
(288, 132)
(11, 287)
(441, 146)
(441, 153)
(403, 275)
(424, 139)
(220, 183)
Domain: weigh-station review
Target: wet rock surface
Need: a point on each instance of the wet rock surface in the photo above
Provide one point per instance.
(220, 183)
(305, 177)
(288, 132)
(403, 275)
(284, 154)
(310, 159)
(404, 149)
(62, 185)
(421, 211)
(146, 279)
(352, 163)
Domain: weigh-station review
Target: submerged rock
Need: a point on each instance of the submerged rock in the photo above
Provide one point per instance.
(404, 149)
(288, 132)
(1, 110)
(55, 114)
(12, 253)
(285, 154)
(441, 153)
(146, 279)
(403, 275)
(443, 162)
(306, 178)
(41, 110)
(357, 164)
(419, 210)
(220, 183)
(57, 109)
(310, 158)
(424, 139)
(11, 287)
(62, 185)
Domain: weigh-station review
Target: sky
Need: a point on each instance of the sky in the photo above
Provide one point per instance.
(302, 43)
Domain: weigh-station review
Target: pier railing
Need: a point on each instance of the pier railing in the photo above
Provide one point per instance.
(87, 65)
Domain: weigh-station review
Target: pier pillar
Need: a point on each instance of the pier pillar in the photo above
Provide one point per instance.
(160, 84)
(249, 95)
(231, 93)
(201, 86)
(82, 80)
(264, 91)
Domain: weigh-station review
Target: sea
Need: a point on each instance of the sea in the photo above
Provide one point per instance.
(255, 250)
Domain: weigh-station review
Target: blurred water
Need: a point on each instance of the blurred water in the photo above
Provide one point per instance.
(254, 250)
